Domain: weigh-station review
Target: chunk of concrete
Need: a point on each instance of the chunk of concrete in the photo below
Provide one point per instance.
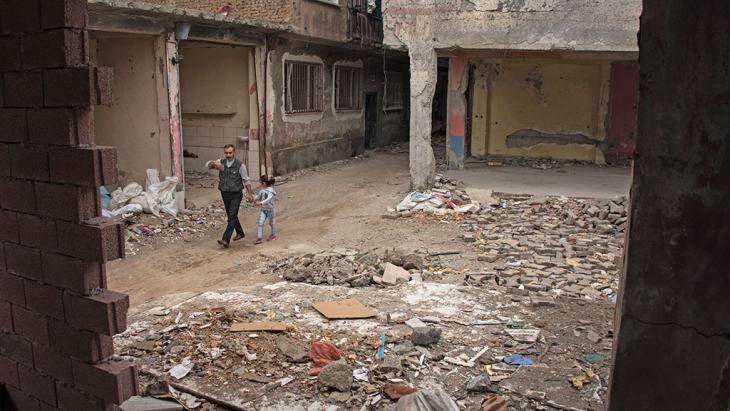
(394, 274)
(426, 336)
(336, 375)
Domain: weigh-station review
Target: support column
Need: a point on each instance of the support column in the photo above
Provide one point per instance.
(672, 346)
(423, 85)
(456, 111)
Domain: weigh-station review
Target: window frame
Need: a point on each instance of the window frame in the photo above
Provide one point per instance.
(356, 81)
(389, 77)
(314, 102)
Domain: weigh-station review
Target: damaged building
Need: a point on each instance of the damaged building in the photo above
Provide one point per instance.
(553, 79)
(289, 84)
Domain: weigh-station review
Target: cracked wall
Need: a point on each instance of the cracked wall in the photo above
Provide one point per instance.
(672, 348)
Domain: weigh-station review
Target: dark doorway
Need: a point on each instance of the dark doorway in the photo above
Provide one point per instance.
(438, 113)
(371, 120)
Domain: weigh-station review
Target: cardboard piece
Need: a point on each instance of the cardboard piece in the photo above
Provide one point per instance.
(341, 309)
(258, 326)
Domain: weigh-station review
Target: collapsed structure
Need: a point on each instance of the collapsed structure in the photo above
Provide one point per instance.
(525, 78)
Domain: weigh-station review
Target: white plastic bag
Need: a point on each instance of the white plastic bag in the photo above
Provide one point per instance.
(127, 209)
(412, 200)
(150, 203)
(153, 177)
(165, 190)
(120, 197)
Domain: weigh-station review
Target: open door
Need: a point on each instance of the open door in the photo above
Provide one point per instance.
(371, 120)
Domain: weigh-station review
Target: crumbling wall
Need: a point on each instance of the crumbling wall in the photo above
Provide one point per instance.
(516, 25)
(542, 108)
(56, 316)
(672, 346)
(136, 123)
(277, 11)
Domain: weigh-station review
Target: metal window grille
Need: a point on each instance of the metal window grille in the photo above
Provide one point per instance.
(303, 87)
(347, 88)
(393, 90)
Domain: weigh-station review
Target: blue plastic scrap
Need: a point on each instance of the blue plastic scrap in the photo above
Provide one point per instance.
(516, 359)
(381, 349)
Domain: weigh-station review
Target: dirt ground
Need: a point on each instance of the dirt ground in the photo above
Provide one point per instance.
(338, 206)
(186, 291)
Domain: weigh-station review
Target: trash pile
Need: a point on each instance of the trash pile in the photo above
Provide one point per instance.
(445, 198)
(350, 268)
(420, 343)
(157, 196)
(144, 230)
(532, 162)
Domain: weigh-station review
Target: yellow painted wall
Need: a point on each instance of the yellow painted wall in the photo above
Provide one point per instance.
(544, 95)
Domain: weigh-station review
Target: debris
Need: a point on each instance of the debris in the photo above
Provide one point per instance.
(593, 337)
(582, 379)
(394, 274)
(517, 359)
(415, 323)
(181, 370)
(322, 353)
(481, 383)
(593, 358)
(381, 347)
(137, 403)
(427, 400)
(343, 309)
(425, 336)
(257, 326)
(395, 391)
(189, 401)
(336, 375)
(294, 352)
(493, 402)
(523, 335)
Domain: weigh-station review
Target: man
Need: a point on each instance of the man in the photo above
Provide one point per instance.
(233, 177)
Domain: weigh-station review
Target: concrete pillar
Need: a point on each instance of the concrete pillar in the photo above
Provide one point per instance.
(672, 346)
(423, 85)
(456, 111)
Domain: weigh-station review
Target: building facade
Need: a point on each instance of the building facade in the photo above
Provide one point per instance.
(550, 78)
(290, 84)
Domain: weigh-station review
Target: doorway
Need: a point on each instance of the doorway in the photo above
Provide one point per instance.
(371, 120)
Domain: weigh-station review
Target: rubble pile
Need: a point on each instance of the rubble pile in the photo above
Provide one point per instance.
(555, 245)
(349, 267)
(537, 163)
(455, 345)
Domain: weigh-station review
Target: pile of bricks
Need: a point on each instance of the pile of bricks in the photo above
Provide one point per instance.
(56, 317)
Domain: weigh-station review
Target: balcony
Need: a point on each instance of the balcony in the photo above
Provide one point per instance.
(363, 27)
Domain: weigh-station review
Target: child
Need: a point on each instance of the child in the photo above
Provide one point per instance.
(266, 199)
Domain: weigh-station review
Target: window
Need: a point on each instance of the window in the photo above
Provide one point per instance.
(347, 88)
(303, 87)
(393, 90)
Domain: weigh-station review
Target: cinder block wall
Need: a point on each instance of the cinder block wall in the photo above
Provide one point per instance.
(56, 317)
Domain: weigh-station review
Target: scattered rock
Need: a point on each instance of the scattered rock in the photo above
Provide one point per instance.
(426, 336)
(294, 352)
(336, 375)
(394, 274)
(481, 383)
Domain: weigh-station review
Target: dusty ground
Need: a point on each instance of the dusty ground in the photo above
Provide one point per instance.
(340, 207)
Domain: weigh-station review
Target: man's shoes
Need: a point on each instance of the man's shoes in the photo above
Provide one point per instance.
(239, 237)
(224, 244)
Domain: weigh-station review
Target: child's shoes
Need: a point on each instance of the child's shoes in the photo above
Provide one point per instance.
(259, 241)
(271, 238)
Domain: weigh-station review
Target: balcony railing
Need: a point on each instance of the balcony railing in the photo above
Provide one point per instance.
(365, 28)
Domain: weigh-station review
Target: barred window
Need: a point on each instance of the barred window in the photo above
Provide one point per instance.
(348, 88)
(393, 90)
(303, 87)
